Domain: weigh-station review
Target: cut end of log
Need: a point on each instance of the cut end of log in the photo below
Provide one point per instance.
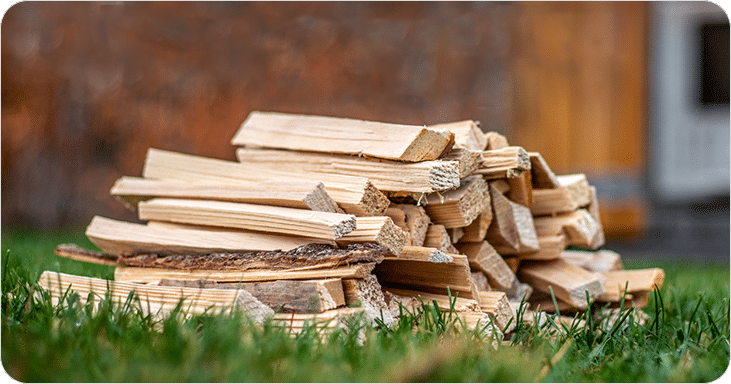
(429, 144)
(444, 176)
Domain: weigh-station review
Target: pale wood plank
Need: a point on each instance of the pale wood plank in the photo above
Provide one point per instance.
(340, 135)
(458, 207)
(512, 230)
(154, 300)
(118, 237)
(355, 195)
(569, 282)
(573, 192)
(503, 163)
(579, 226)
(496, 304)
(599, 261)
(412, 219)
(377, 230)
(155, 275)
(386, 175)
(483, 257)
(468, 160)
(265, 218)
(438, 237)
(550, 247)
(480, 280)
(495, 141)
(283, 193)
(443, 301)
(477, 230)
(367, 293)
(521, 189)
(467, 134)
(542, 175)
(433, 255)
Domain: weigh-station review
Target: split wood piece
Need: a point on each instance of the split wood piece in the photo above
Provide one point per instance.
(411, 219)
(635, 280)
(549, 248)
(483, 257)
(458, 207)
(480, 280)
(340, 135)
(74, 252)
(599, 261)
(456, 234)
(477, 230)
(569, 282)
(428, 276)
(438, 237)
(323, 322)
(579, 226)
(311, 256)
(444, 302)
(495, 141)
(469, 160)
(496, 304)
(593, 209)
(542, 175)
(309, 296)
(503, 163)
(119, 237)
(513, 263)
(367, 293)
(467, 134)
(421, 254)
(511, 231)
(543, 301)
(154, 300)
(155, 275)
(355, 195)
(265, 218)
(378, 230)
(572, 193)
(521, 189)
(293, 194)
(386, 175)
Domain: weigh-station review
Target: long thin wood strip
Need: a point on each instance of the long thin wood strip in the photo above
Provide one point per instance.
(378, 230)
(569, 282)
(155, 300)
(496, 304)
(309, 296)
(428, 276)
(580, 227)
(265, 218)
(118, 237)
(637, 280)
(74, 252)
(155, 275)
(433, 255)
(483, 257)
(458, 207)
(323, 322)
(437, 237)
(412, 219)
(550, 247)
(467, 134)
(355, 195)
(293, 194)
(503, 163)
(386, 175)
(573, 192)
(599, 261)
(367, 293)
(339, 135)
(542, 175)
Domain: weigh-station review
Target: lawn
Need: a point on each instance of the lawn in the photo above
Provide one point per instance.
(685, 338)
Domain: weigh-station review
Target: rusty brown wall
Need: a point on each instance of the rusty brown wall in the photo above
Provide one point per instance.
(88, 87)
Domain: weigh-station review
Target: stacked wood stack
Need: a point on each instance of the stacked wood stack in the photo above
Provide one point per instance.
(324, 217)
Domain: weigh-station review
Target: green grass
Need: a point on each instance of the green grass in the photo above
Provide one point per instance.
(686, 338)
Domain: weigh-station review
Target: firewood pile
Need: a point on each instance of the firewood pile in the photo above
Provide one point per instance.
(322, 218)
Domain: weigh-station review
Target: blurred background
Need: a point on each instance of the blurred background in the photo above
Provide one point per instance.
(634, 94)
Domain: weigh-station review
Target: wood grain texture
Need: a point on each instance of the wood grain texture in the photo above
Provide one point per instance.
(468, 160)
(458, 207)
(579, 226)
(541, 174)
(495, 141)
(340, 135)
(503, 163)
(467, 134)
(282, 193)
(573, 192)
(550, 247)
(264, 218)
(496, 304)
(367, 294)
(155, 275)
(599, 261)
(386, 175)
(483, 257)
(438, 237)
(118, 237)
(512, 230)
(377, 230)
(354, 194)
(521, 189)
(412, 219)
(433, 255)
(569, 282)
(154, 300)
(477, 230)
